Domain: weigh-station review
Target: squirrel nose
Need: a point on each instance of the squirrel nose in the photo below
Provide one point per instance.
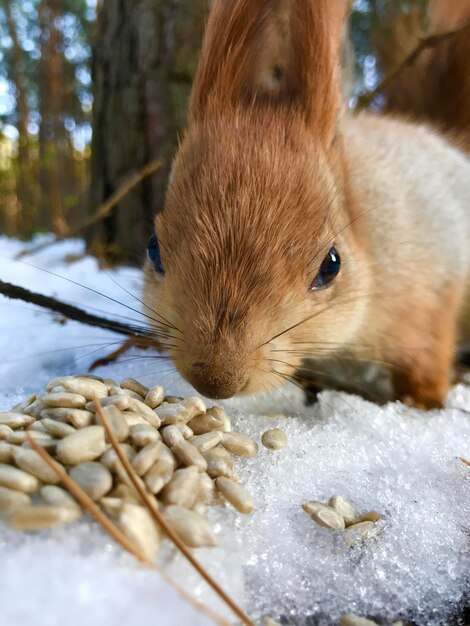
(218, 384)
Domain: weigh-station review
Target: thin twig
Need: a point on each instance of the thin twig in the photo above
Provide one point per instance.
(72, 312)
(103, 210)
(158, 517)
(425, 42)
(461, 458)
(87, 503)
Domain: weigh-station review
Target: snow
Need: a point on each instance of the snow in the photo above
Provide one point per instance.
(277, 562)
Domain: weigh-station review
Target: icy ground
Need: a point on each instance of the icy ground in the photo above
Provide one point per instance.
(277, 562)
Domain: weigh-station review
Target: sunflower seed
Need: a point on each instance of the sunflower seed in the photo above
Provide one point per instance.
(4, 432)
(6, 450)
(324, 515)
(30, 461)
(146, 457)
(216, 467)
(171, 435)
(205, 423)
(56, 496)
(133, 419)
(182, 488)
(86, 387)
(120, 402)
(110, 458)
(18, 479)
(142, 435)
(238, 444)
(15, 420)
(94, 478)
(57, 429)
(357, 532)
(117, 391)
(117, 422)
(161, 471)
(345, 509)
(111, 505)
(206, 442)
(63, 399)
(193, 530)
(133, 385)
(84, 445)
(17, 437)
(188, 455)
(11, 499)
(38, 517)
(145, 411)
(35, 407)
(221, 416)
(79, 418)
(236, 494)
(184, 411)
(38, 426)
(154, 397)
(138, 525)
(185, 430)
(206, 490)
(173, 399)
(274, 439)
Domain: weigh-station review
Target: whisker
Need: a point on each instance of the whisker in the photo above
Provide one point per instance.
(90, 289)
(167, 322)
(317, 313)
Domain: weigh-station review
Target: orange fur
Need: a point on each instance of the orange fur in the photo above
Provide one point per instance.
(267, 178)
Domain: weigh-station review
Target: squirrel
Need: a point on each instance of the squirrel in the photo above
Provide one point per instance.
(295, 228)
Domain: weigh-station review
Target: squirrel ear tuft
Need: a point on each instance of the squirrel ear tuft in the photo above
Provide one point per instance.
(279, 51)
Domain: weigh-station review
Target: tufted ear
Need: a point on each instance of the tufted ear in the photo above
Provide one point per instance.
(278, 51)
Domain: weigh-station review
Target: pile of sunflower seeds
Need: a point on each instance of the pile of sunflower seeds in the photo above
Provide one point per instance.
(340, 514)
(183, 452)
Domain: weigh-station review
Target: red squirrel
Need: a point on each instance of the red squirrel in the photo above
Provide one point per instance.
(294, 228)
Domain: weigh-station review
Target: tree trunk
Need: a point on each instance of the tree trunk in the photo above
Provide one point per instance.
(53, 145)
(144, 58)
(25, 189)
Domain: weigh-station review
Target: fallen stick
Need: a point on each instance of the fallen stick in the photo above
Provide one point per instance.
(72, 312)
(103, 211)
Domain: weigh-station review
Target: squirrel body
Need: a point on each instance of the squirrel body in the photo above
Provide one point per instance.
(292, 230)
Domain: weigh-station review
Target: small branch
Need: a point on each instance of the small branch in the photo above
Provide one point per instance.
(424, 43)
(72, 312)
(103, 211)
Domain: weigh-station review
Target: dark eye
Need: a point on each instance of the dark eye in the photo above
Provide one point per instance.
(153, 252)
(329, 270)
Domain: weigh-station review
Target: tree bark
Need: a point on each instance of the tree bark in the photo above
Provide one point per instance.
(53, 145)
(144, 59)
(25, 188)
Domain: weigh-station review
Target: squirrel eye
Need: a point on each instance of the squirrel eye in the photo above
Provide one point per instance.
(153, 252)
(328, 271)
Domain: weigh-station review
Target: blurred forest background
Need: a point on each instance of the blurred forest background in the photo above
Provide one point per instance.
(93, 92)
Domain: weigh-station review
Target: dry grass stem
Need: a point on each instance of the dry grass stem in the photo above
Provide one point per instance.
(113, 530)
(165, 526)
